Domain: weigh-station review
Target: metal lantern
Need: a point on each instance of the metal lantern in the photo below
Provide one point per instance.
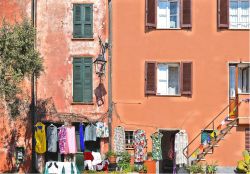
(100, 64)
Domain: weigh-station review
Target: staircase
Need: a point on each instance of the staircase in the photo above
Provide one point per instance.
(204, 150)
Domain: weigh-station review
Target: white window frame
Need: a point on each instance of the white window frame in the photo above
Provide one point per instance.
(168, 14)
(239, 14)
(241, 79)
(126, 145)
(167, 75)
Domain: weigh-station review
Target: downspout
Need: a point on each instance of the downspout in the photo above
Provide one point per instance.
(33, 92)
(110, 102)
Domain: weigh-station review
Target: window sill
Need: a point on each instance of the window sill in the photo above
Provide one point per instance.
(82, 103)
(244, 93)
(168, 28)
(235, 29)
(166, 95)
(82, 39)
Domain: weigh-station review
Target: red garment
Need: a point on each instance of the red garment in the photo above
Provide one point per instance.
(88, 156)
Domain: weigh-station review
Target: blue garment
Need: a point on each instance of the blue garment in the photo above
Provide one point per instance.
(81, 132)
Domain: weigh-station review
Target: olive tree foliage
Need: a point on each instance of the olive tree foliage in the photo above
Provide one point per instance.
(18, 58)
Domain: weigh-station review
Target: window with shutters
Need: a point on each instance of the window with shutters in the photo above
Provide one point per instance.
(82, 80)
(239, 14)
(82, 20)
(168, 78)
(168, 14)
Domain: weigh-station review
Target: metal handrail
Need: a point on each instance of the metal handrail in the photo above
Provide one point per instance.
(188, 156)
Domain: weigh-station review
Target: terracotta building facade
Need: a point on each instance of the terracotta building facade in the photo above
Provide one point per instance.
(177, 65)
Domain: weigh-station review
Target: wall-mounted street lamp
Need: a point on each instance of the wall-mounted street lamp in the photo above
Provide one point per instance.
(100, 65)
(100, 61)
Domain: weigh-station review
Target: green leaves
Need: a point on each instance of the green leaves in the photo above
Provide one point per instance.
(18, 58)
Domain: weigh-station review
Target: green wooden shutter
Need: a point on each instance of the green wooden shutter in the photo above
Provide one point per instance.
(88, 20)
(87, 80)
(78, 80)
(78, 21)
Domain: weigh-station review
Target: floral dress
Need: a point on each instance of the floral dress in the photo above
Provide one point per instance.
(139, 145)
(156, 150)
(119, 139)
(62, 137)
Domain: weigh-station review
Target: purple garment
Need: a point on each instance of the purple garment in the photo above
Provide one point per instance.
(62, 137)
(81, 132)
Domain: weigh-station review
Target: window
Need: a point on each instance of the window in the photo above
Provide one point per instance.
(129, 139)
(234, 14)
(83, 20)
(239, 14)
(166, 14)
(243, 78)
(82, 80)
(168, 78)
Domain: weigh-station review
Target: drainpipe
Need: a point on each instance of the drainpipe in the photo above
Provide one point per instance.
(110, 102)
(33, 93)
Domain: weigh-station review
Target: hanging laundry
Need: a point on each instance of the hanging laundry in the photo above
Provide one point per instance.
(52, 138)
(99, 129)
(81, 132)
(71, 139)
(156, 149)
(40, 137)
(181, 141)
(139, 145)
(62, 137)
(60, 168)
(119, 139)
(102, 130)
(106, 131)
(90, 133)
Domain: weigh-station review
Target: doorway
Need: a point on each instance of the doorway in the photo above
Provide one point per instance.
(166, 165)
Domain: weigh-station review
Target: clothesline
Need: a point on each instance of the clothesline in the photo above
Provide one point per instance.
(78, 117)
(134, 124)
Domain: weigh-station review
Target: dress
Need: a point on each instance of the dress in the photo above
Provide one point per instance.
(119, 139)
(156, 150)
(40, 137)
(181, 141)
(139, 145)
(71, 139)
(52, 138)
(81, 132)
(62, 137)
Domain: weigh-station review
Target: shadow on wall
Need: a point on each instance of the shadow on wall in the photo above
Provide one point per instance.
(100, 92)
(16, 129)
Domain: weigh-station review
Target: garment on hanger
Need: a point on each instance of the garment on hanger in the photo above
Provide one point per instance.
(62, 137)
(181, 141)
(171, 148)
(102, 130)
(52, 138)
(106, 131)
(119, 139)
(156, 149)
(81, 132)
(139, 145)
(71, 139)
(99, 129)
(40, 137)
(90, 133)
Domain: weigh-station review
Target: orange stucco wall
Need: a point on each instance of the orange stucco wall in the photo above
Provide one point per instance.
(54, 22)
(210, 50)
